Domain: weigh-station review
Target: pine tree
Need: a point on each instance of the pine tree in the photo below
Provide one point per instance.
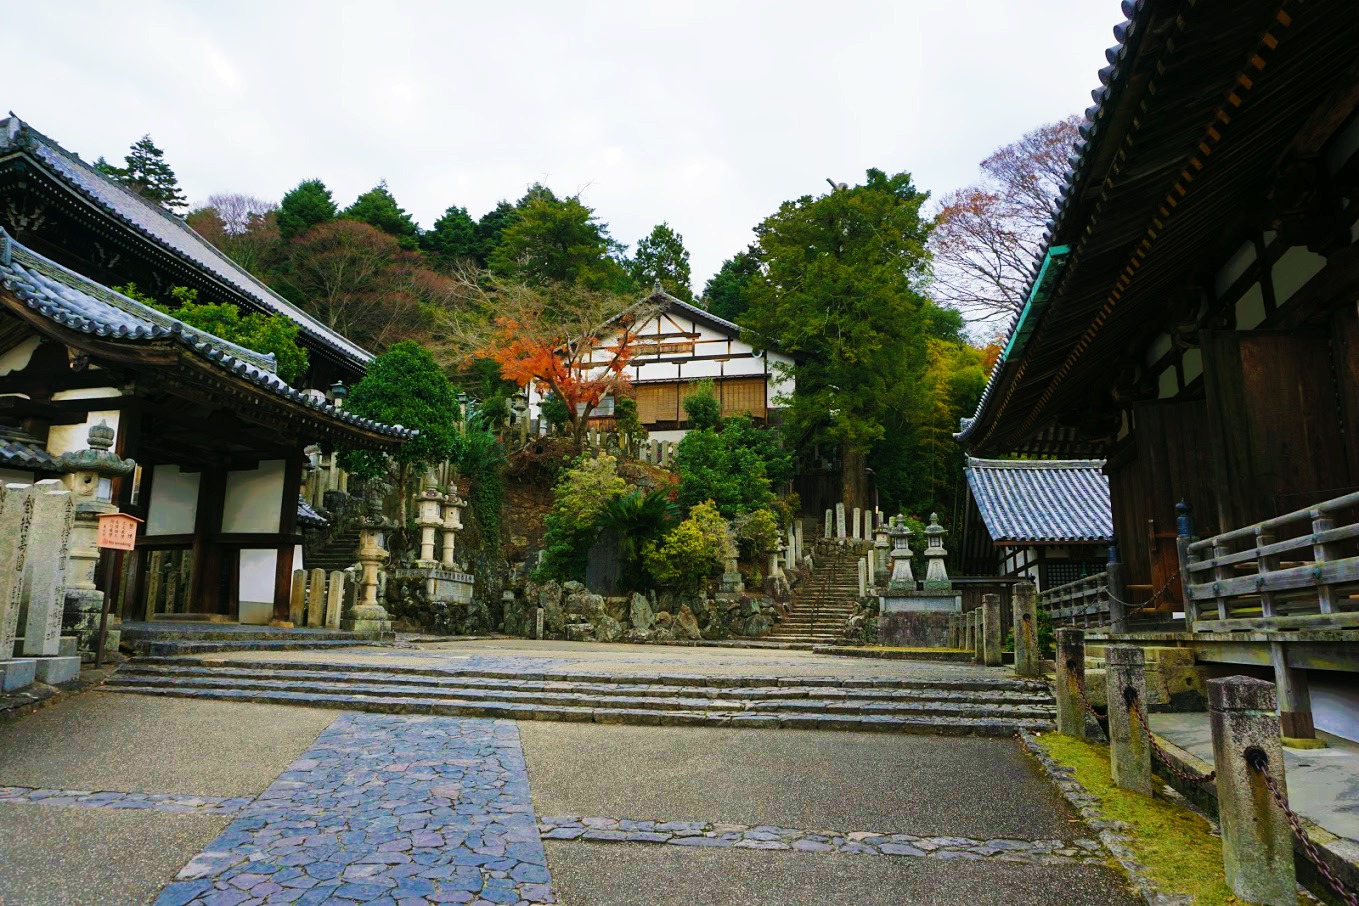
(661, 256)
(307, 205)
(453, 240)
(725, 294)
(146, 173)
(378, 208)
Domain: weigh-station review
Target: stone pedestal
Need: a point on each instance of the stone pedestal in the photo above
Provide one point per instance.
(56, 670)
(1129, 752)
(1257, 842)
(992, 640)
(1070, 678)
(1028, 659)
(16, 674)
(916, 619)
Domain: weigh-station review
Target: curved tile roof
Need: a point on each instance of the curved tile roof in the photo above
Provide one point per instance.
(1042, 501)
(164, 229)
(78, 303)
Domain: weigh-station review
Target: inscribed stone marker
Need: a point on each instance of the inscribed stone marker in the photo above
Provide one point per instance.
(53, 516)
(316, 598)
(15, 513)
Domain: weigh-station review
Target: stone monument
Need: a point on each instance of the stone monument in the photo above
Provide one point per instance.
(911, 616)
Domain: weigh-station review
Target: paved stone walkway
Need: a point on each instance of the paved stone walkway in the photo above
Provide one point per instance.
(383, 809)
(159, 802)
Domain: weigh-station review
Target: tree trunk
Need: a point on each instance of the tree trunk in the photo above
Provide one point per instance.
(854, 479)
(578, 428)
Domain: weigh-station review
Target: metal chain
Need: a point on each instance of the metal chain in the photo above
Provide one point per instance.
(1186, 776)
(1148, 602)
(1079, 679)
(1257, 761)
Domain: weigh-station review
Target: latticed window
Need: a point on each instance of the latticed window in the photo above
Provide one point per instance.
(743, 397)
(1060, 572)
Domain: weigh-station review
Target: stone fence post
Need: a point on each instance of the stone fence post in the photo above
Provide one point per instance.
(978, 636)
(1257, 842)
(1129, 742)
(1070, 682)
(1024, 602)
(991, 638)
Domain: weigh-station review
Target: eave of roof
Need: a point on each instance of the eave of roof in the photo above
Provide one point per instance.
(1042, 501)
(162, 228)
(77, 303)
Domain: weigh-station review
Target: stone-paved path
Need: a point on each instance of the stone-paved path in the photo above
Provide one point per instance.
(383, 809)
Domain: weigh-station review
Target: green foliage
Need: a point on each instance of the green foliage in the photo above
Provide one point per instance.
(758, 533)
(637, 519)
(554, 409)
(308, 204)
(702, 408)
(452, 241)
(626, 419)
(733, 467)
(405, 386)
(479, 458)
(145, 172)
(379, 209)
(691, 551)
(572, 526)
(267, 334)
(558, 239)
(725, 294)
(489, 229)
(662, 256)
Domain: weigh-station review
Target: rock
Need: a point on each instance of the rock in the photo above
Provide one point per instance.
(554, 618)
(637, 635)
(687, 624)
(607, 629)
(757, 625)
(662, 635)
(640, 612)
(664, 619)
(665, 602)
(580, 632)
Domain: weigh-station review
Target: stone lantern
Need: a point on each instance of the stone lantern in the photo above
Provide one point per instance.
(89, 475)
(936, 576)
(429, 502)
(453, 505)
(902, 579)
(775, 570)
(882, 566)
(368, 615)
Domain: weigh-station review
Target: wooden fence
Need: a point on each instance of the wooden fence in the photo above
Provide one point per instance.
(1084, 603)
(1249, 579)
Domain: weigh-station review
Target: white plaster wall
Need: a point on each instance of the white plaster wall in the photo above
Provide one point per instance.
(87, 393)
(12, 476)
(1292, 271)
(174, 501)
(254, 499)
(17, 359)
(1236, 265)
(65, 438)
(256, 585)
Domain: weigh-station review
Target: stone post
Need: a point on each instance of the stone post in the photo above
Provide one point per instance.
(297, 602)
(1257, 842)
(857, 523)
(316, 598)
(16, 513)
(49, 541)
(965, 631)
(797, 537)
(840, 522)
(88, 475)
(1024, 601)
(953, 622)
(829, 518)
(1070, 679)
(1129, 744)
(334, 599)
(732, 583)
(538, 623)
(882, 567)
(863, 577)
(978, 636)
(902, 578)
(369, 615)
(452, 525)
(429, 519)
(992, 641)
(791, 557)
(936, 576)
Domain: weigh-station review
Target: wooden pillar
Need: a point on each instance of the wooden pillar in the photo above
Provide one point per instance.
(1295, 699)
(205, 577)
(287, 529)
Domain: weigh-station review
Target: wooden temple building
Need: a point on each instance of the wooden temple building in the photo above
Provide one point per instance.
(1193, 321)
(217, 435)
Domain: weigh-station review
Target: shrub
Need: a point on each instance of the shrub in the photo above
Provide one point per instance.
(629, 424)
(734, 465)
(758, 533)
(702, 408)
(580, 497)
(637, 518)
(691, 552)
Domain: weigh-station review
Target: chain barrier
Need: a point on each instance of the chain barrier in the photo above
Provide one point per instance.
(1079, 682)
(1130, 609)
(1135, 706)
(1258, 762)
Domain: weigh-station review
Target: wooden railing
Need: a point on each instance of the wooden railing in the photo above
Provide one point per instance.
(1247, 579)
(1083, 603)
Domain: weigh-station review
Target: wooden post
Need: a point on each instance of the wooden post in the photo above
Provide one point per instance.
(1118, 591)
(1295, 701)
(1322, 553)
(1184, 536)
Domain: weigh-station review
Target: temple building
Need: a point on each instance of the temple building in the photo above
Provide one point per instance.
(1193, 322)
(217, 435)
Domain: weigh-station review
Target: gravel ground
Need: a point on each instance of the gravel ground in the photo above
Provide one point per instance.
(134, 743)
(56, 856)
(608, 874)
(924, 785)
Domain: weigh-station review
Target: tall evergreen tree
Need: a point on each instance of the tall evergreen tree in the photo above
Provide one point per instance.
(378, 208)
(725, 294)
(662, 256)
(145, 172)
(453, 239)
(840, 291)
(307, 205)
(561, 240)
(490, 227)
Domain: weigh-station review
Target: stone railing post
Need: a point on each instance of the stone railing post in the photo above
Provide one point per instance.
(334, 599)
(978, 635)
(991, 638)
(953, 619)
(316, 598)
(1070, 682)
(1257, 842)
(1129, 742)
(297, 601)
(1024, 602)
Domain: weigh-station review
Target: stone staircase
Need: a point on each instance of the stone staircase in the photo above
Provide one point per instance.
(974, 707)
(819, 610)
(339, 552)
(166, 638)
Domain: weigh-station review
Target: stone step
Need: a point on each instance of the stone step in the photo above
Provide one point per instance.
(213, 632)
(516, 678)
(468, 695)
(177, 648)
(948, 726)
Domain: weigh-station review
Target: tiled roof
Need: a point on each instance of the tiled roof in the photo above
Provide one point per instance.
(164, 229)
(1051, 501)
(25, 453)
(308, 516)
(78, 303)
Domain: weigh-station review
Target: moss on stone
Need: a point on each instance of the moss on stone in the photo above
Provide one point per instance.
(1174, 843)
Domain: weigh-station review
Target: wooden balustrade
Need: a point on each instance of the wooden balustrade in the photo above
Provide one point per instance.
(1083, 603)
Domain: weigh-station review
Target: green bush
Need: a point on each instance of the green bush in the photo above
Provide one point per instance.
(573, 524)
(758, 534)
(702, 408)
(691, 551)
(735, 465)
(628, 423)
(637, 518)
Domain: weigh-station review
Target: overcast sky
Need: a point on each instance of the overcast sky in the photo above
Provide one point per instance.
(703, 114)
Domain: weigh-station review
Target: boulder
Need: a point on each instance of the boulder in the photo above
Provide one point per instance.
(686, 624)
(640, 612)
(554, 617)
(607, 629)
(662, 635)
(664, 619)
(637, 635)
(580, 632)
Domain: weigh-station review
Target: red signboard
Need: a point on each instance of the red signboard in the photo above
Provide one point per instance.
(118, 531)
